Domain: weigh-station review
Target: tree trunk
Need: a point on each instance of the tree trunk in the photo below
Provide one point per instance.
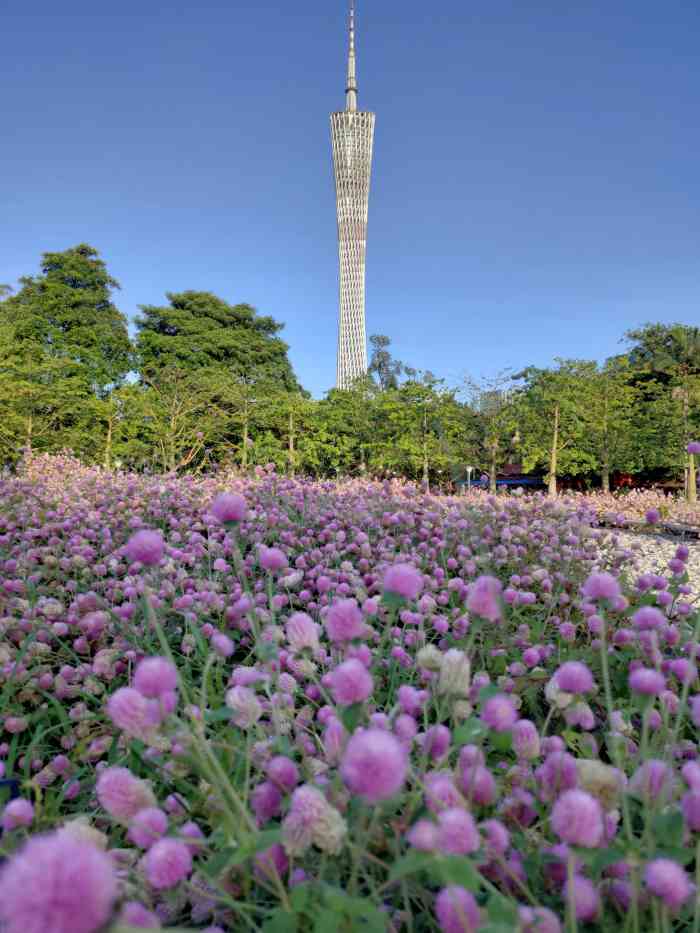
(108, 446)
(605, 453)
(244, 451)
(552, 484)
(691, 490)
(28, 435)
(493, 469)
(692, 480)
(291, 443)
(426, 471)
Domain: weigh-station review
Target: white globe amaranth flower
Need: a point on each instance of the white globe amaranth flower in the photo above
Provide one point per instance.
(429, 658)
(557, 697)
(455, 674)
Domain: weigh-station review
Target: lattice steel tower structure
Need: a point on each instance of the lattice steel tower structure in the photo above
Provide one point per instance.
(352, 132)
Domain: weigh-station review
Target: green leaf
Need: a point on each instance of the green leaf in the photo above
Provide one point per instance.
(218, 715)
(299, 897)
(667, 827)
(503, 911)
(326, 922)
(599, 859)
(267, 838)
(409, 864)
(392, 600)
(456, 870)
(218, 863)
(280, 922)
(470, 731)
(489, 691)
(501, 741)
(351, 716)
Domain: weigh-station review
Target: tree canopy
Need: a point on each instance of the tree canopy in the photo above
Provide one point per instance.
(198, 329)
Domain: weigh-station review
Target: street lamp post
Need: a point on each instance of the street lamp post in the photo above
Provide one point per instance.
(469, 478)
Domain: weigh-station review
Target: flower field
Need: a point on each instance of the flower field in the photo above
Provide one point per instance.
(272, 704)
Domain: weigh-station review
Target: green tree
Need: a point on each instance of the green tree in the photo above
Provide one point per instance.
(199, 330)
(552, 418)
(67, 313)
(382, 364)
(609, 416)
(492, 402)
(668, 357)
(182, 415)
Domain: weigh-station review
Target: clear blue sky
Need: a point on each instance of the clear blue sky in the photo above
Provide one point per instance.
(536, 180)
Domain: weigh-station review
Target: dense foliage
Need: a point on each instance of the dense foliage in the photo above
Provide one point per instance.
(207, 382)
(284, 705)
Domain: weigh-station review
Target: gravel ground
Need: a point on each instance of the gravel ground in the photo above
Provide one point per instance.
(652, 552)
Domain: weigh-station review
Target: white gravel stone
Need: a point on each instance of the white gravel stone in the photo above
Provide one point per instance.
(651, 553)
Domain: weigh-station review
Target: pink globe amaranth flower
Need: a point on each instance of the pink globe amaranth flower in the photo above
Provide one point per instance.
(335, 737)
(146, 546)
(266, 801)
(478, 785)
(312, 820)
(690, 805)
(222, 644)
(272, 558)
(695, 710)
(246, 707)
(229, 507)
(457, 911)
(19, 812)
(652, 780)
(457, 832)
(129, 711)
(499, 713)
(577, 818)
(283, 772)
(646, 681)
(423, 836)
(585, 897)
(648, 618)
(484, 598)
(167, 863)
(271, 862)
(57, 884)
(526, 739)
(538, 920)
(436, 742)
(601, 586)
(136, 915)
(574, 677)
(302, 632)
(497, 837)
(691, 775)
(155, 676)
(192, 836)
(350, 683)
(122, 794)
(344, 621)
(653, 516)
(441, 792)
(669, 882)
(403, 580)
(147, 827)
(410, 700)
(374, 765)
(694, 447)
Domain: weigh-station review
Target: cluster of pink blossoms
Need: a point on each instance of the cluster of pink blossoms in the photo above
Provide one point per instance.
(360, 674)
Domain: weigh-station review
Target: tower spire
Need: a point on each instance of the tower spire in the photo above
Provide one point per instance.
(351, 84)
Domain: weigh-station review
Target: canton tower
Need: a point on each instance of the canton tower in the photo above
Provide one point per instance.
(352, 131)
